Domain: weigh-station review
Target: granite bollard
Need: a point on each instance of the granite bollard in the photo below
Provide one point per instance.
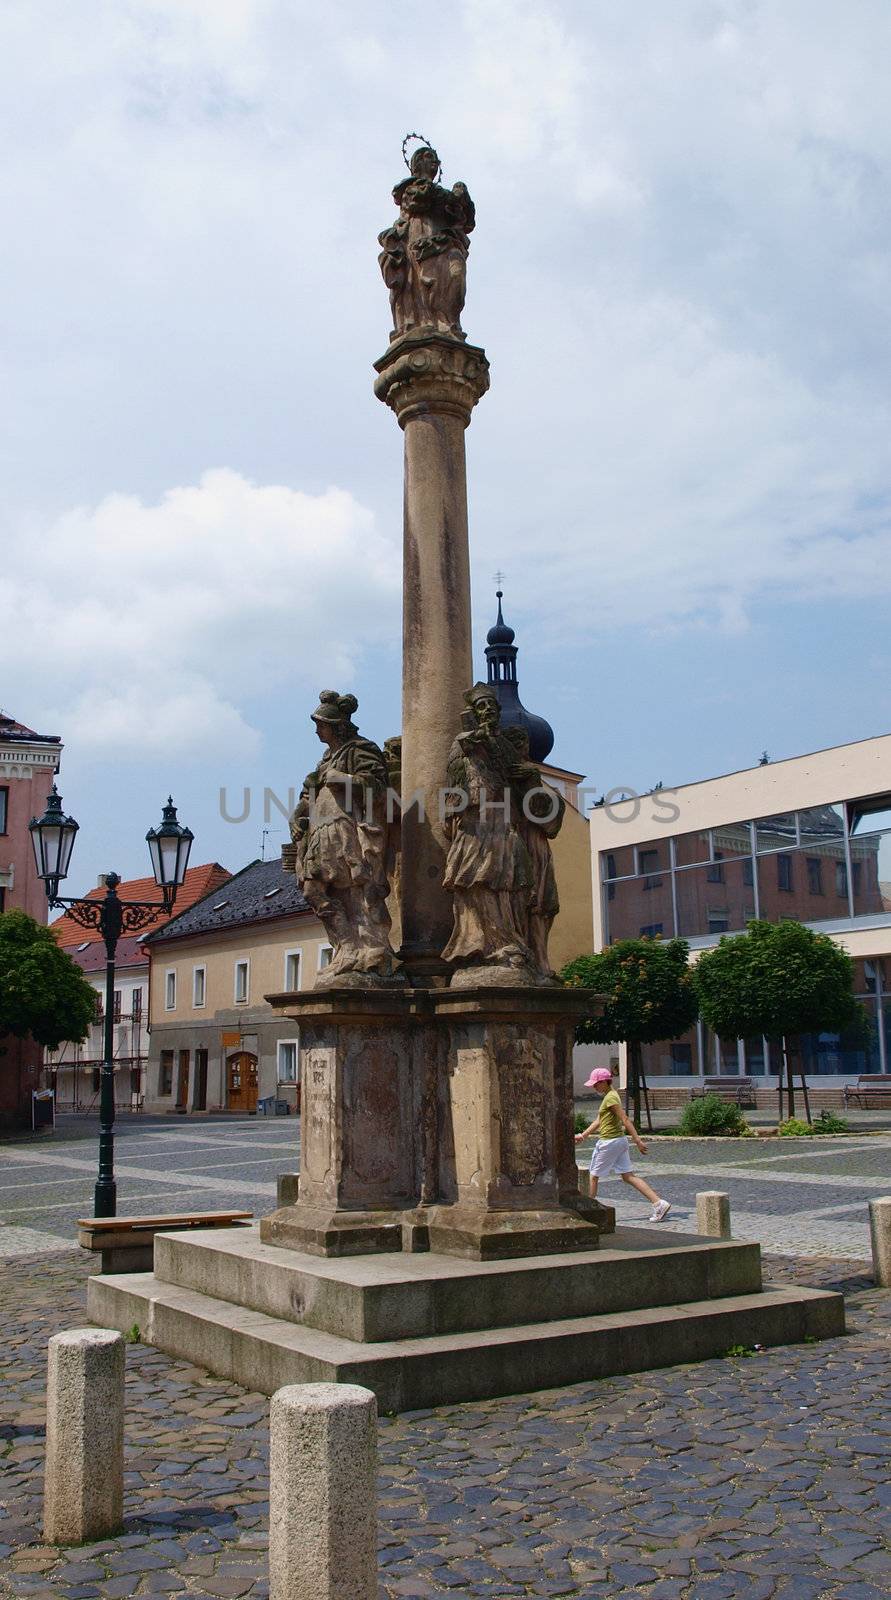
(84, 1484)
(323, 1493)
(880, 1235)
(286, 1188)
(713, 1214)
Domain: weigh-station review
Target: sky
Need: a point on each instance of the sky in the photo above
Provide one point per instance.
(681, 275)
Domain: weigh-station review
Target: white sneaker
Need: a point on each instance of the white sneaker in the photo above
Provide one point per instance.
(659, 1211)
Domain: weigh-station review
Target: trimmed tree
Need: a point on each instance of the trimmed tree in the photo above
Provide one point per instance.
(650, 995)
(42, 991)
(778, 981)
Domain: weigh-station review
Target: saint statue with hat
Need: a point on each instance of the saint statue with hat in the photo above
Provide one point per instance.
(339, 836)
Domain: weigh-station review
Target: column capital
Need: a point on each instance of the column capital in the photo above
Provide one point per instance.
(428, 372)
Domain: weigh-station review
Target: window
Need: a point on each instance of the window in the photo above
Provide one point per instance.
(814, 875)
(117, 1005)
(749, 872)
(718, 921)
(97, 1079)
(292, 971)
(776, 833)
(648, 864)
(326, 951)
(170, 991)
(4, 808)
(784, 873)
(841, 879)
(856, 874)
(715, 873)
(287, 1060)
(199, 986)
(681, 1057)
(2, 899)
(165, 1081)
(100, 1007)
(242, 982)
(136, 1004)
(609, 867)
(652, 930)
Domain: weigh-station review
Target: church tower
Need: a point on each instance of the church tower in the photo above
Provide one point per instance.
(501, 659)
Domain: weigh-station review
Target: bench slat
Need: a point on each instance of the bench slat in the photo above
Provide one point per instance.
(191, 1219)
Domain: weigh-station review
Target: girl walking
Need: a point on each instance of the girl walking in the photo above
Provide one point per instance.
(613, 1131)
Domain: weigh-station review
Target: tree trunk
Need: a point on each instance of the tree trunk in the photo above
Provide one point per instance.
(790, 1084)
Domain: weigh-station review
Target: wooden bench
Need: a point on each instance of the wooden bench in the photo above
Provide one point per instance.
(867, 1089)
(127, 1244)
(740, 1090)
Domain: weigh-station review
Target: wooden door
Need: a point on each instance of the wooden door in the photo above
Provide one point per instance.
(244, 1080)
(182, 1082)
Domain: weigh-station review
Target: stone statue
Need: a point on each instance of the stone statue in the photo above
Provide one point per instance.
(540, 812)
(488, 868)
(424, 253)
(339, 834)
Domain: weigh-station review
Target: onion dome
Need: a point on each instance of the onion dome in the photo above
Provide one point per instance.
(501, 659)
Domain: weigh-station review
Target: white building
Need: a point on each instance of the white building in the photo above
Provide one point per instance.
(808, 838)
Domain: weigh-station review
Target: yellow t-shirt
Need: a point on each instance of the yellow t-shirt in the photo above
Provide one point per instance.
(610, 1123)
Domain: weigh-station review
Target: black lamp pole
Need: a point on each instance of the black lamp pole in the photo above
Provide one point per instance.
(53, 839)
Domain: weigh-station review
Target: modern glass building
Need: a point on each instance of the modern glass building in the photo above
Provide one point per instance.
(808, 838)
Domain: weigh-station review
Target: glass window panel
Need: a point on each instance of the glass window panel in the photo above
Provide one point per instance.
(618, 863)
(871, 873)
(798, 885)
(756, 1058)
(848, 1053)
(651, 862)
(870, 816)
(870, 976)
(732, 839)
(822, 825)
(631, 908)
(691, 848)
(776, 833)
(705, 906)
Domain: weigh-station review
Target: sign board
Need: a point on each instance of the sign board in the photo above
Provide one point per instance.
(227, 1040)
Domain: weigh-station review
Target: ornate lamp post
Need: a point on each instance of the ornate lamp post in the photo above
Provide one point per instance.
(52, 837)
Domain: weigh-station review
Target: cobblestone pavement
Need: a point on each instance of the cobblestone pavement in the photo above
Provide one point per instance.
(764, 1477)
(802, 1196)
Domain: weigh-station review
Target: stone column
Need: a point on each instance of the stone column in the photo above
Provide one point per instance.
(880, 1232)
(431, 381)
(84, 1485)
(323, 1493)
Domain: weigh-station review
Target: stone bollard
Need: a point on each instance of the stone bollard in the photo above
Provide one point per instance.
(880, 1233)
(713, 1214)
(84, 1483)
(286, 1188)
(323, 1493)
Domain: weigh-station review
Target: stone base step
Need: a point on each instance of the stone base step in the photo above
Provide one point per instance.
(264, 1353)
(403, 1296)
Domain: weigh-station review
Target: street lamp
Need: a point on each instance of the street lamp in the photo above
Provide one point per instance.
(52, 838)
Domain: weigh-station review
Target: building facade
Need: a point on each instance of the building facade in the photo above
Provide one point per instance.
(73, 1070)
(29, 762)
(808, 838)
(216, 1044)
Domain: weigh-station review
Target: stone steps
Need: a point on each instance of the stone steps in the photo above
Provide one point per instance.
(263, 1352)
(402, 1296)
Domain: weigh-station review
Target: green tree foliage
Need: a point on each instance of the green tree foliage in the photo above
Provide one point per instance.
(42, 991)
(649, 993)
(778, 980)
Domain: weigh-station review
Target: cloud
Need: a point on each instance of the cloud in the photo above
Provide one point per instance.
(149, 628)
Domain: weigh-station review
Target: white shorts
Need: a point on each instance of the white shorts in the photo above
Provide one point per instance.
(610, 1155)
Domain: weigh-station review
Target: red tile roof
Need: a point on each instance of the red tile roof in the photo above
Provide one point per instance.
(199, 881)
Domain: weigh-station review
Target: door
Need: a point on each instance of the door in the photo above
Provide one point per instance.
(199, 1099)
(243, 1082)
(182, 1082)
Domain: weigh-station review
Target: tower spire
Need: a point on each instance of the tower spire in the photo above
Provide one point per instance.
(501, 666)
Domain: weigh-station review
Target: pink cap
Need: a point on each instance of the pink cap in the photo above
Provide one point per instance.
(599, 1075)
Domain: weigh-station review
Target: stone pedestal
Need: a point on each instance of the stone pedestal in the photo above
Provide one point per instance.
(437, 1119)
(431, 381)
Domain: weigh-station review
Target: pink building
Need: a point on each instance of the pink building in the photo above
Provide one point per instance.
(28, 763)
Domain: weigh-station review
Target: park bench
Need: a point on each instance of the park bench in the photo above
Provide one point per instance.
(127, 1244)
(867, 1089)
(740, 1090)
